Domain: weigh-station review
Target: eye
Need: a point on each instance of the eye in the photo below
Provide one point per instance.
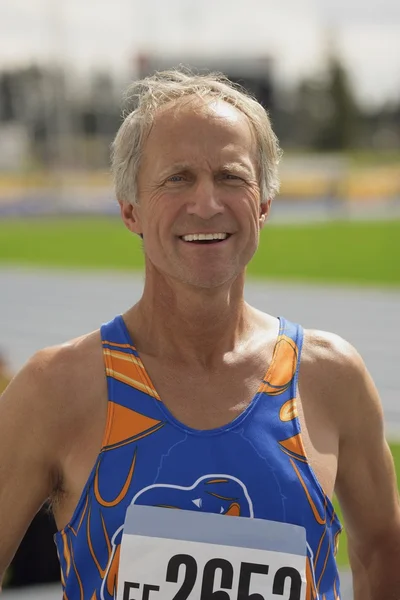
(232, 177)
(175, 178)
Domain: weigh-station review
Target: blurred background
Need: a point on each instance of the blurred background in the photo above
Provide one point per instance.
(328, 72)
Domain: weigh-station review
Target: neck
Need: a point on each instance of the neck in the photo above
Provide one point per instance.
(182, 322)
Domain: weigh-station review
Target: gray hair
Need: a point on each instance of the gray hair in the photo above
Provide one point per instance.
(151, 93)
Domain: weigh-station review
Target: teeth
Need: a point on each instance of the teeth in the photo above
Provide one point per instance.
(196, 237)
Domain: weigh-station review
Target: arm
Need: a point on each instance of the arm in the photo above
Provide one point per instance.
(29, 442)
(367, 489)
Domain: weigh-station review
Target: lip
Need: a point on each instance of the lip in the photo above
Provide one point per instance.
(204, 233)
(209, 245)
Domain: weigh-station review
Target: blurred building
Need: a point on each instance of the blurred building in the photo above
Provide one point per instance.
(255, 74)
(56, 131)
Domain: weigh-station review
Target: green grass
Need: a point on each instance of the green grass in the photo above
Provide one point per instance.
(347, 252)
(72, 242)
(342, 557)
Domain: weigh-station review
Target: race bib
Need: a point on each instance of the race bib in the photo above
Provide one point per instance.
(169, 554)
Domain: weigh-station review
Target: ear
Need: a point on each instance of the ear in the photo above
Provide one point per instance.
(264, 212)
(131, 217)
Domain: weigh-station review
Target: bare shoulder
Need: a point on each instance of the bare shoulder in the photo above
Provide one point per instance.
(56, 380)
(45, 413)
(333, 369)
(327, 355)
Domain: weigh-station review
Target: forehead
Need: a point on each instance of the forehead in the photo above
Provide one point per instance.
(197, 129)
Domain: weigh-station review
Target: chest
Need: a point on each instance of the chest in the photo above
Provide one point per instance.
(202, 401)
(208, 398)
(243, 471)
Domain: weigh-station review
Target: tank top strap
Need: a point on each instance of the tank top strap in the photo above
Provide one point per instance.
(114, 335)
(291, 336)
(122, 363)
(283, 371)
(132, 398)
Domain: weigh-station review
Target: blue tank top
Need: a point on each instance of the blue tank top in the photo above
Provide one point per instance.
(148, 457)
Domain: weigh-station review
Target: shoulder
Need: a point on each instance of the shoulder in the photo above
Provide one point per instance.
(334, 374)
(49, 406)
(55, 379)
(330, 355)
(65, 364)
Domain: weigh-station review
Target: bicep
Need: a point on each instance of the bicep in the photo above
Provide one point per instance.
(366, 483)
(25, 459)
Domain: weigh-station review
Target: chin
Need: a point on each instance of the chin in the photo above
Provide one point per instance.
(209, 281)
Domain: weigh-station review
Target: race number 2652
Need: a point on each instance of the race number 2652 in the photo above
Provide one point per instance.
(218, 581)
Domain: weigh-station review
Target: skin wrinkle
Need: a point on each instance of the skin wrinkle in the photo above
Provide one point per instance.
(208, 109)
(178, 279)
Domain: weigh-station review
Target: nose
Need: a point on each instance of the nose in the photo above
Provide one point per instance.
(204, 201)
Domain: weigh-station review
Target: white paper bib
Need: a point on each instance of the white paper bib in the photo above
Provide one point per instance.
(169, 554)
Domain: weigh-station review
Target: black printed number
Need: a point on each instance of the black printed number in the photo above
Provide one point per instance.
(225, 570)
(279, 583)
(246, 571)
(207, 588)
(190, 574)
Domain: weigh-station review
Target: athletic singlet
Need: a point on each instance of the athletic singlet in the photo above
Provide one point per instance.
(253, 467)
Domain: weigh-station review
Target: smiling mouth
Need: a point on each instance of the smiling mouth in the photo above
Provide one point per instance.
(205, 238)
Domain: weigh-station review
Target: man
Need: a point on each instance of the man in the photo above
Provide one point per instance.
(208, 405)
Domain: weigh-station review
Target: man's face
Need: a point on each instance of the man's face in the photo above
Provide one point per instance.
(198, 177)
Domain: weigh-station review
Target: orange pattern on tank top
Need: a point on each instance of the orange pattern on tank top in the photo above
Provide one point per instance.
(320, 520)
(216, 481)
(320, 541)
(234, 508)
(127, 425)
(118, 345)
(288, 411)
(122, 493)
(336, 542)
(285, 356)
(294, 445)
(112, 575)
(325, 563)
(337, 597)
(127, 368)
(311, 592)
(66, 552)
(327, 555)
(102, 571)
(78, 578)
(82, 517)
(294, 448)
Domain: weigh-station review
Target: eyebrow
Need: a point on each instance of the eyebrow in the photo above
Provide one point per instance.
(228, 166)
(175, 167)
(236, 166)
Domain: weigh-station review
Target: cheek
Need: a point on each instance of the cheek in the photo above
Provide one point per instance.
(158, 227)
(250, 212)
